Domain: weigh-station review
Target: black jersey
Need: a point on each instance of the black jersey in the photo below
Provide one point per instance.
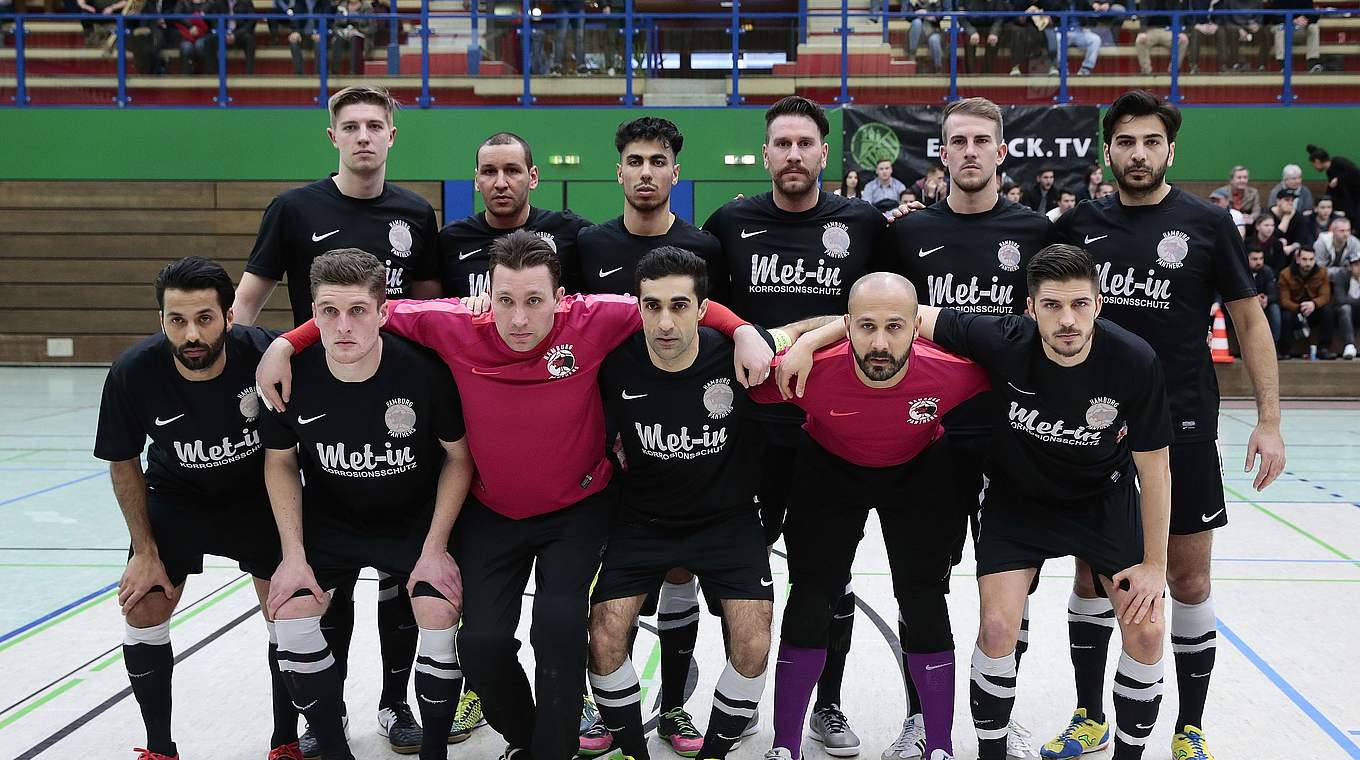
(1067, 432)
(973, 263)
(398, 227)
(369, 451)
(690, 452)
(205, 440)
(465, 249)
(609, 254)
(1160, 268)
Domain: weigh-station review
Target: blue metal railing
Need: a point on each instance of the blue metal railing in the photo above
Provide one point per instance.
(654, 30)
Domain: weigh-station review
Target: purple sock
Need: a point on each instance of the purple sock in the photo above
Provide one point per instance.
(795, 674)
(933, 674)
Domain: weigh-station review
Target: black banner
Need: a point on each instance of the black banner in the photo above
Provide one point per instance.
(1066, 138)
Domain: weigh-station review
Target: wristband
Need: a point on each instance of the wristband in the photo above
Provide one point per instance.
(781, 340)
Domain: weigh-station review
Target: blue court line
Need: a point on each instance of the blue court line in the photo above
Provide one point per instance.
(1329, 728)
(56, 612)
(13, 499)
(72, 468)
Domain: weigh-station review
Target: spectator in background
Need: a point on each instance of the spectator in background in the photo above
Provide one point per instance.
(1303, 25)
(1343, 180)
(1106, 188)
(1066, 200)
(1025, 37)
(1043, 194)
(1292, 178)
(1091, 189)
(907, 196)
(1077, 34)
(1346, 300)
(148, 37)
(1305, 304)
(884, 189)
(926, 26)
(197, 43)
(1155, 32)
(1209, 27)
(1241, 195)
(1223, 200)
(98, 31)
(304, 31)
(1316, 222)
(1265, 239)
(849, 184)
(1267, 290)
(932, 187)
(1287, 220)
(577, 20)
(1013, 193)
(1107, 24)
(1337, 244)
(350, 36)
(982, 33)
(240, 31)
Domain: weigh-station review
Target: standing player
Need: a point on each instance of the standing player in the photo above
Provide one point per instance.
(530, 372)
(506, 173)
(788, 255)
(377, 426)
(1163, 256)
(191, 389)
(873, 404)
(968, 252)
(687, 500)
(1086, 414)
(356, 207)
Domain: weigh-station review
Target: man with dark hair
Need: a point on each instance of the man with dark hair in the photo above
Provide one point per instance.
(1162, 255)
(356, 207)
(1343, 179)
(505, 175)
(1267, 290)
(1067, 200)
(376, 426)
(689, 450)
(1316, 222)
(1043, 194)
(790, 254)
(1306, 305)
(529, 375)
(191, 389)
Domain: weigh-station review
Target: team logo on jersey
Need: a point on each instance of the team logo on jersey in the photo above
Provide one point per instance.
(836, 240)
(548, 237)
(1102, 413)
(1172, 250)
(399, 235)
(561, 361)
(923, 410)
(718, 398)
(1008, 254)
(400, 418)
(249, 404)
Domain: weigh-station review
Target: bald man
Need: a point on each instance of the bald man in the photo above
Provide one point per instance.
(873, 440)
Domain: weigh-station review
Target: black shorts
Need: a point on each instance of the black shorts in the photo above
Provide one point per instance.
(728, 555)
(968, 455)
(1018, 533)
(1197, 502)
(337, 551)
(916, 508)
(781, 443)
(185, 531)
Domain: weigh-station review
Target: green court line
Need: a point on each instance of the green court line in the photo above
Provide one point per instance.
(649, 672)
(1300, 531)
(54, 621)
(44, 699)
(176, 622)
(23, 453)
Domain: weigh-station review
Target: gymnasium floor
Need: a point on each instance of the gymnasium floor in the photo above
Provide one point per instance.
(1287, 580)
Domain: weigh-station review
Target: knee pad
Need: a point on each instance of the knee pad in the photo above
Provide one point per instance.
(807, 617)
(927, 622)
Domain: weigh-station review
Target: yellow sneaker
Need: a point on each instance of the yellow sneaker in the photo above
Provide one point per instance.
(1082, 735)
(1190, 744)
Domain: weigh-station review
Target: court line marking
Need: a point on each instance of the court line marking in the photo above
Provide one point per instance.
(49, 489)
(1296, 528)
(1298, 699)
(54, 613)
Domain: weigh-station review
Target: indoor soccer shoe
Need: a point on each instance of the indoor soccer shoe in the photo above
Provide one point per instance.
(1082, 735)
(910, 743)
(1017, 743)
(289, 751)
(310, 747)
(829, 726)
(595, 738)
(778, 753)
(467, 718)
(400, 727)
(1190, 744)
(147, 754)
(676, 728)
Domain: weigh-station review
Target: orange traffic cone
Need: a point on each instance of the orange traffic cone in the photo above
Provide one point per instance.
(1218, 342)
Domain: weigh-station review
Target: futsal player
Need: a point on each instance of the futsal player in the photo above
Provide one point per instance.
(355, 207)
(376, 424)
(968, 252)
(874, 404)
(687, 499)
(530, 377)
(1164, 256)
(191, 389)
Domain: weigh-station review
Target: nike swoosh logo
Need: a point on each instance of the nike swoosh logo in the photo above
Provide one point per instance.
(1080, 646)
(1017, 389)
(160, 422)
(395, 671)
(745, 234)
(301, 708)
(767, 582)
(429, 701)
(476, 371)
(846, 616)
(1140, 725)
(627, 397)
(147, 673)
(310, 420)
(835, 413)
(462, 255)
(318, 238)
(1210, 518)
(924, 253)
(603, 273)
(1199, 675)
(729, 738)
(937, 667)
(1090, 240)
(405, 627)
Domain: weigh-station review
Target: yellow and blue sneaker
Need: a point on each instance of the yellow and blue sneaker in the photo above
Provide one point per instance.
(1082, 735)
(1190, 744)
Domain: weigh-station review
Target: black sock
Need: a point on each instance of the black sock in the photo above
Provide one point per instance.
(337, 626)
(438, 684)
(1137, 697)
(150, 665)
(677, 622)
(1194, 640)
(314, 682)
(1089, 625)
(619, 698)
(633, 634)
(285, 715)
(397, 637)
(992, 694)
(734, 702)
(837, 650)
(913, 698)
